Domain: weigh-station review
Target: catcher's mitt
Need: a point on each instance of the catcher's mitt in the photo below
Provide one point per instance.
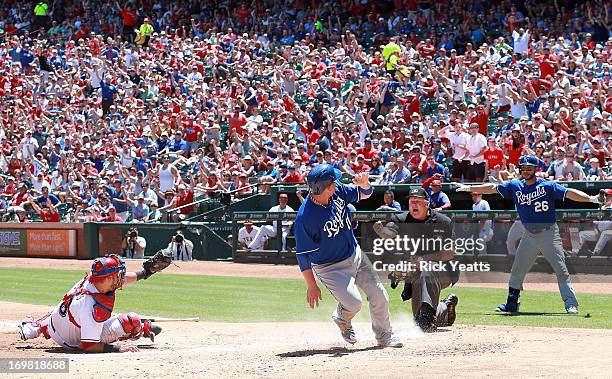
(390, 230)
(157, 262)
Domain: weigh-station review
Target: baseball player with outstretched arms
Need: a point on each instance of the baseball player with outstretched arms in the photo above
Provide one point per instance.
(83, 321)
(535, 203)
(326, 246)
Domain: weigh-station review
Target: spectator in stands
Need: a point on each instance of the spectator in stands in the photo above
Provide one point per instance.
(111, 217)
(48, 213)
(431, 167)
(79, 92)
(389, 202)
(47, 196)
(494, 159)
(459, 141)
(476, 147)
(118, 199)
(180, 206)
(293, 176)
(155, 214)
(594, 172)
(140, 210)
(400, 174)
(570, 170)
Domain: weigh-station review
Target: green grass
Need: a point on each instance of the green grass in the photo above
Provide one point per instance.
(228, 299)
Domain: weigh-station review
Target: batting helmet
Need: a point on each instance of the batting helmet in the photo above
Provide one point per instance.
(528, 160)
(106, 266)
(320, 177)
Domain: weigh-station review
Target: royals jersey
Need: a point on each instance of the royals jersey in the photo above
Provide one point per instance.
(535, 203)
(64, 332)
(323, 234)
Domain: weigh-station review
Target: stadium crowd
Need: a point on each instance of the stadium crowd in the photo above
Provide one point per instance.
(119, 112)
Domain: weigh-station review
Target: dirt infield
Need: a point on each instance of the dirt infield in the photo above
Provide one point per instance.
(308, 350)
(534, 281)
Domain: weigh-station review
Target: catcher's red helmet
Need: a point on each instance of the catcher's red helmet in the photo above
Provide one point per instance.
(106, 266)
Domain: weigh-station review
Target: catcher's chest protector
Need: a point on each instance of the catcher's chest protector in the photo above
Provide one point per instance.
(103, 303)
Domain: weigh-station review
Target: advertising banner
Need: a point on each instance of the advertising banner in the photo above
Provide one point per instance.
(51, 243)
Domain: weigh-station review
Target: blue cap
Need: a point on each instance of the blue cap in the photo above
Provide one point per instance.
(528, 160)
(322, 176)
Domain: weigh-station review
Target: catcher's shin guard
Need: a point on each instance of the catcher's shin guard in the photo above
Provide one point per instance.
(426, 320)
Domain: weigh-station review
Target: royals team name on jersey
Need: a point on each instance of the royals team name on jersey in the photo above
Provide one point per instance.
(340, 219)
(528, 198)
(324, 234)
(534, 203)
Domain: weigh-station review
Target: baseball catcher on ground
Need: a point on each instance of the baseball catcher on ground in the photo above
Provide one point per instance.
(423, 286)
(83, 321)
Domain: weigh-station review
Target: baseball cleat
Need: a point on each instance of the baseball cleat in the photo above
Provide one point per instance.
(392, 341)
(427, 326)
(508, 307)
(346, 329)
(572, 310)
(451, 305)
(21, 333)
(427, 318)
(25, 321)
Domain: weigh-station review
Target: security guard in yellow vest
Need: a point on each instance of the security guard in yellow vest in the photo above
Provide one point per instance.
(41, 15)
(146, 30)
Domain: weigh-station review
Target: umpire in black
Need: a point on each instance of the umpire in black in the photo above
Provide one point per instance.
(423, 286)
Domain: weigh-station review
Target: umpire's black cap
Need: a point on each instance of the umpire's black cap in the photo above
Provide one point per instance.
(418, 192)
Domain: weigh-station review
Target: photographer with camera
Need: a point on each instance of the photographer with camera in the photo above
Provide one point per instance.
(133, 245)
(180, 247)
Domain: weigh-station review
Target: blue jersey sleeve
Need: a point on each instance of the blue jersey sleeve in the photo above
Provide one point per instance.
(348, 193)
(303, 262)
(557, 191)
(506, 189)
(305, 243)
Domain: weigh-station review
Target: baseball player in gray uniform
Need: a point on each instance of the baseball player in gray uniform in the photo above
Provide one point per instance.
(514, 235)
(535, 203)
(326, 246)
